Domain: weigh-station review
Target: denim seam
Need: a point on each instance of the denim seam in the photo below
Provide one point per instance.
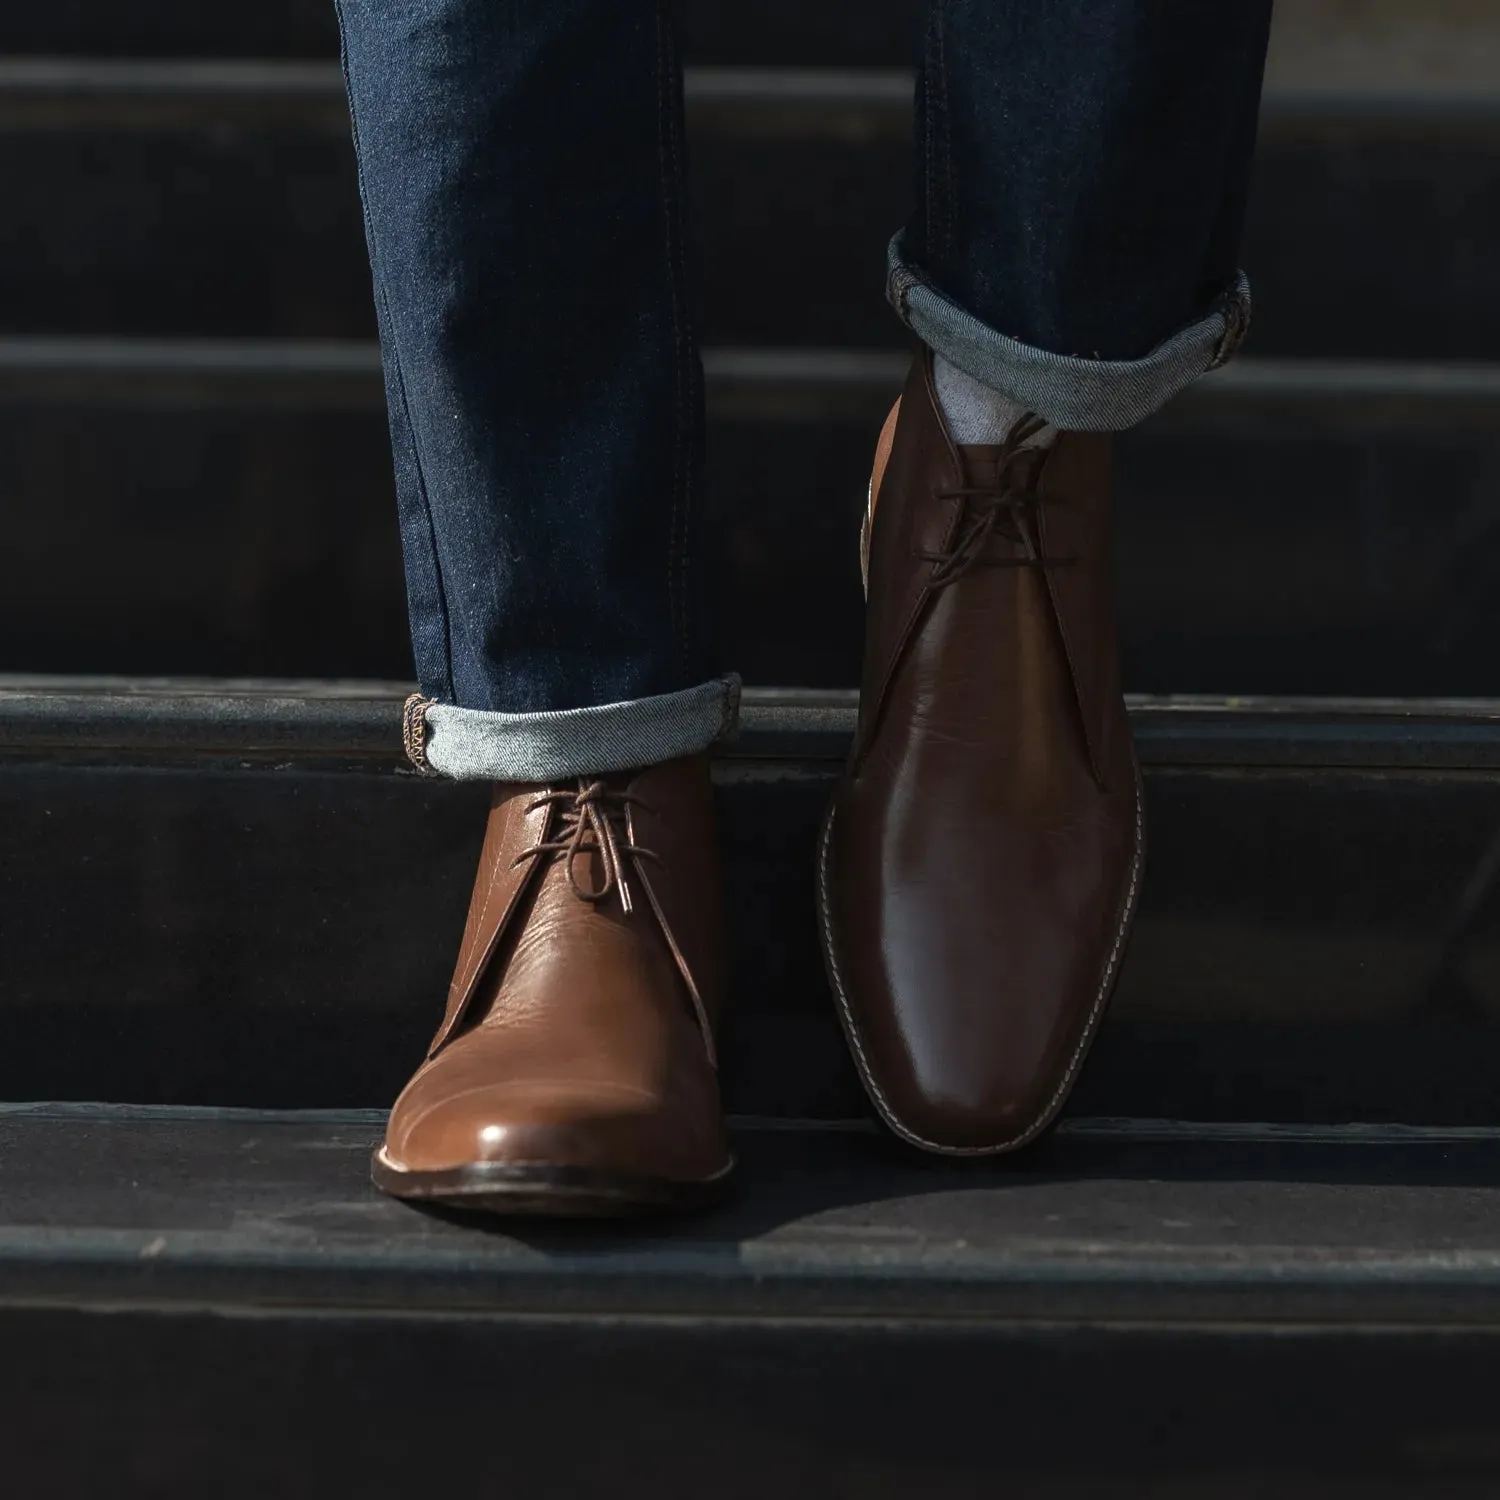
(397, 370)
(730, 718)
(1236, 307)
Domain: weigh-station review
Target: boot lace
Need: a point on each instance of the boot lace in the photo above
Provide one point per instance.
(1008, 508)
(591, 820)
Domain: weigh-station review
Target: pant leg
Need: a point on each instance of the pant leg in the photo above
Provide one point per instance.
(1083, 169)
(522, 174)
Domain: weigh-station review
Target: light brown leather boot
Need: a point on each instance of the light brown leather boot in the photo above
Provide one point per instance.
(574, 1072)
(981, 862)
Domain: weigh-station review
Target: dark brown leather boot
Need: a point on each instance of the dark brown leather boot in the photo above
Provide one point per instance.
(980, 865)
(574, 1072)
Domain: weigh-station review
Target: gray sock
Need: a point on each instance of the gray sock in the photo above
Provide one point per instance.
(975, 413)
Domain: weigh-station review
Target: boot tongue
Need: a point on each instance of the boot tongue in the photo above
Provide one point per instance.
(988, 466)
(981, 464)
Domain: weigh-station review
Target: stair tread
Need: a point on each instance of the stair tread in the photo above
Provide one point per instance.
(743, 381)
(1118, 1219)
(58, 718)
(1297, 89)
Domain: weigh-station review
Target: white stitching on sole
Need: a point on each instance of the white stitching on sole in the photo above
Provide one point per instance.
(1091, 1025)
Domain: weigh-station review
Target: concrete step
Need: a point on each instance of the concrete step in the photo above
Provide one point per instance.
(234, 894)
(223, 1305)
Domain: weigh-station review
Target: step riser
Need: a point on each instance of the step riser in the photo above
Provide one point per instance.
(284, 938)
(1353, 556)
(230, 223)
(736, 1410)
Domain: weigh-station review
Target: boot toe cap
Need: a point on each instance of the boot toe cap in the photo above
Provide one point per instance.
(618, 1131)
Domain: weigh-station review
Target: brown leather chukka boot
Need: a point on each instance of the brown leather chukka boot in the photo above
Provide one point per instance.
(574, 1072)
(982, 859)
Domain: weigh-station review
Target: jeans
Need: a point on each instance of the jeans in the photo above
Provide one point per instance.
(1083, 168)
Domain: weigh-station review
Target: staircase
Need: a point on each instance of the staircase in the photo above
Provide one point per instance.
(1262, 1254)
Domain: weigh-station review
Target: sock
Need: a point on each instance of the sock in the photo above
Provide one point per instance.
(975, 413)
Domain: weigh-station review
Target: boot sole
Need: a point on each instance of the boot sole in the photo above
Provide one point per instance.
(545, 1192)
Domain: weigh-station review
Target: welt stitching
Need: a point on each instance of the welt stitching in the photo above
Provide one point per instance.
(730, 708)
(414, 732)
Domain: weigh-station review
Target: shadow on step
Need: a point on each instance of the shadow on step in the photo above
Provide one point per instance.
(1138, 1182)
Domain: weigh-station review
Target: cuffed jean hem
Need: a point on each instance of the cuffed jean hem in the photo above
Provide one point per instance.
(470, 744)
(1074, 394)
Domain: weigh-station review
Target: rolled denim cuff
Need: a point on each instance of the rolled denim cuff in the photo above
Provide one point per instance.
(470, 744)
(1077, 395)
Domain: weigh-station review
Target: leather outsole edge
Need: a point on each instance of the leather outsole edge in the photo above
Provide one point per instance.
(544, 1190)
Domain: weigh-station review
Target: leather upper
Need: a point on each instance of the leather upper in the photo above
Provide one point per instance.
(579, 1030)
(983, 854)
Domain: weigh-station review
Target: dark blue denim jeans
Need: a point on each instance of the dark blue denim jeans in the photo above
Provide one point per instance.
(1083, 171)
(1083, 167)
